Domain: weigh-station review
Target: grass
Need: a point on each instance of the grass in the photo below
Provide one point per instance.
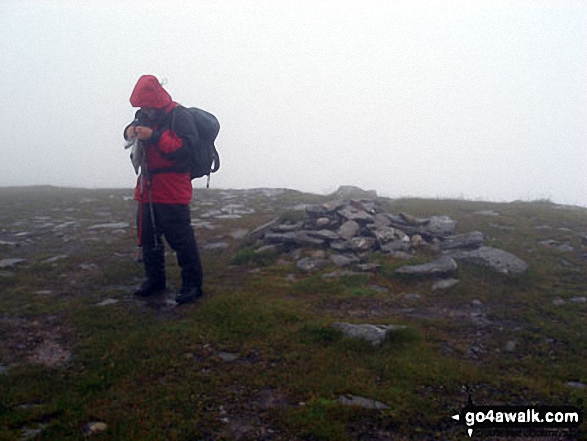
(153, 372)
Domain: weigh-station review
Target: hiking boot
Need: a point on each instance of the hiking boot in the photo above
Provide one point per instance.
(149, 288)
(188, 295)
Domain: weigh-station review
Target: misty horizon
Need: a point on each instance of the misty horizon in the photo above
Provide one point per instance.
(451, 100)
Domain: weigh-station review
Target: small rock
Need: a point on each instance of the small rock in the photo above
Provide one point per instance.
(366, 403)
(374, 334)
(348, 230)
(579, 300)
(444, 284)
(110, 226)
(55, 258)
(228, 357)
(322, 222)
(9, 263)
(369, 267)
(89, 267)
(439, 267)
(43, 292)
(476, 303)
(340, 260)
(379, 289)
(216, 246)
(412, 297)
(107, 302)
(94, 427)
(487, 213)
(510, 346)
(239, 233)
(558, 302)
(308, 264)
(576, 384)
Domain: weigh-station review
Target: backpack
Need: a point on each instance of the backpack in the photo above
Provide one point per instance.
(204, 159)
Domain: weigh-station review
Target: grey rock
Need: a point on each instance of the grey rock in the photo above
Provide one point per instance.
(339, 274)
(341, 245)
(55, 258)
(441, 226)
(266, 249)
(510, 346)
(412, 297)
(374, 334)
(308, 264)
(381, 219)
(476, 303)
(498, 260)
(576, 385)
(440, 267)
(281, 238)
(365, 403)
(352, 214)
(9, 263)
(361, 243)
(349, 229)
(368, 267)
(340, 260)
(444, 284)
(565, 247)
(94, 427)
(379, 289)
(579, 300)
(558, 302)
(323, 222)
(260, 231)
(302, 238)
(287, 228)
(239, 233)
(107, 302)
(469, 240)
(351, 191)
(316, 211)
(228, 357)
(324, 234)
(215, 246)
(388, 234)
(110, 226)
(8, 243)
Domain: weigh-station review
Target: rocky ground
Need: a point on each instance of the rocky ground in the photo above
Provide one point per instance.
(489, 286)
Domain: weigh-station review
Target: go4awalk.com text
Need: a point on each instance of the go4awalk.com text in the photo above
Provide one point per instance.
(515, 420)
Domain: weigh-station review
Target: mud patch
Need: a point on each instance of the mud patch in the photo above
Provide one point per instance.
(38, 341)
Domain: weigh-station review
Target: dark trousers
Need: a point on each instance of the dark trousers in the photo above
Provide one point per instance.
(174, 223)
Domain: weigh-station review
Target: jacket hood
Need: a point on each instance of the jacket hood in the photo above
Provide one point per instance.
(149, 93)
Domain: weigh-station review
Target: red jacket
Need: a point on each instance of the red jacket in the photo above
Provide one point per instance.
(167, 151)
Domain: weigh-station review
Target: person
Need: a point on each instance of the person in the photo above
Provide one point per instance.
(166, 131)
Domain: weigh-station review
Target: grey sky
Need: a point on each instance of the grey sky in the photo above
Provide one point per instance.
(475, 99)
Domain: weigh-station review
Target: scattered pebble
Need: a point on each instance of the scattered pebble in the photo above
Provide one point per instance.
(510, 346)
(412, 297)
(365, 403)
(444, 284)
(9, 263)
(43, 292)
(558, 302)
(228, 357)
(107, 302)
(94, 427)
(576, 384)
(579, 300)
(477, 303)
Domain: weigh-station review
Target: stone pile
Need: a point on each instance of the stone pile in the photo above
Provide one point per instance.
(349, 231)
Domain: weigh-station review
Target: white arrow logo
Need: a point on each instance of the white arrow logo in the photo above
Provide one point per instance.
(470, 432)
(456, 417)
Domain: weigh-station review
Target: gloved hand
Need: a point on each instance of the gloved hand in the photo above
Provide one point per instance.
(143, 133)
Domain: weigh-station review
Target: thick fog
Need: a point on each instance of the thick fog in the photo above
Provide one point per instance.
(473, 99)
